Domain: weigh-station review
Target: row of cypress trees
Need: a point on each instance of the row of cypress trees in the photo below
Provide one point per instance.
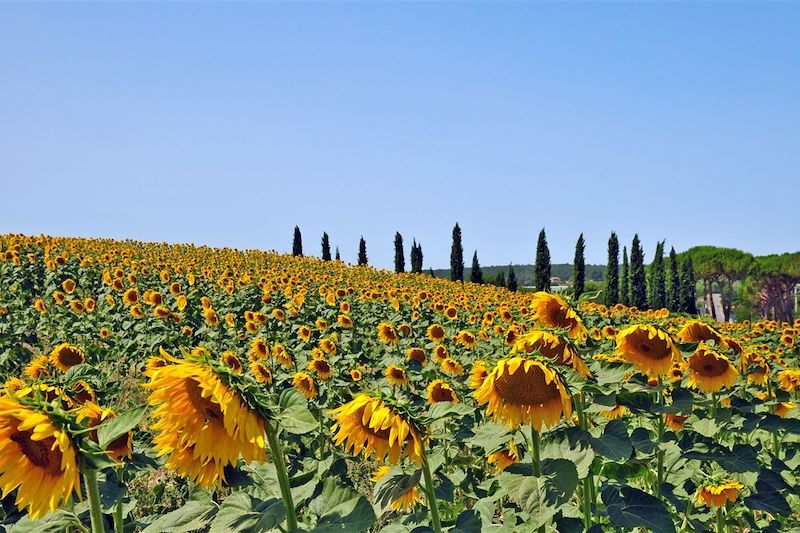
(631, 284)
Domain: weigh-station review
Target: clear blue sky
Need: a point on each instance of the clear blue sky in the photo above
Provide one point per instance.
(228, 124)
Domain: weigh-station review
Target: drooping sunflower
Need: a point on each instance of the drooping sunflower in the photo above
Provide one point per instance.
(709, 371)
(718, 494)
(697, 331)
(396, 375)
(504, 458)
(524, 391)
(37, 459)
(452, 367)
(418, 355)
(281, 354)
(322, 367)
(372, 426)
(477, 374)
(38, 367)
(439, 391)
(551, 311)
(615, 412)
(789, 379)
(258, 349)
(675, 422)
(386, 333)
(466, 339)
(194, 410)
(650, 349)
(554, 347)
(261, 372)
(404, 502)
(305, 384)
(65, 356)
(784, 408)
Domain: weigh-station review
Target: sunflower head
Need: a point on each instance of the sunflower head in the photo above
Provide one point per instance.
(387, 334)
(709, 371)
(435, 333)
(439, 391)
(65, 356)
(321, 367)
(396, 375)
(305, 384)
(452, 367)
(371, 426)
(551, 311)
(554, 347)
(719, 493)
(524, 391)
(418, 355)
(697, 331)
(504, 458)
(650, 349)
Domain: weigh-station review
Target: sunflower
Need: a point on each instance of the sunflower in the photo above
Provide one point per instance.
(370, 425)
(304, 332)
(68, 285)
(345, 321)
(675, 422)
(305, 384)
(258, 349)
(709, 371)
(281, 355)
(231, 361)
(91, 415)
(261, 372)
(554, 347)
(697, 331)
(38, 367)
(199, 420)
(435, 333)
(718, 494)
(505, 457)
(396, 375)
(477, 374)
(387, 333)
(651, 350)
(37, 459)
(136, 311)
(418, 355)
(466, 339)
(77, 307)
(551, 311)
(784, 408)
(13, 384)
(322, 367)
(524, 391)
(614, 413)
(59, 297)
(439, 391)
(440, 353)
(452, 367)
(356, 375)
(82, 392)
(211, 317)
(404, 502)
(65, 356)
(130, 297)
(789, 379)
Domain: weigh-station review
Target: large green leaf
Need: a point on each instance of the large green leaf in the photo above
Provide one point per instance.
(240, 512)
(490, 436)
(294, 415)
(193, 515)
(441, 410)
(614, 443)
(634, 508)
(341, 509)
(115, 427)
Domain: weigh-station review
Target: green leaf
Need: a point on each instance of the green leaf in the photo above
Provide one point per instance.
(241, 512)
(490, 436)
(394, 484)
(342, 509)
(769, 501)
(707, 427)
(294, 416)
(468, 522)
(614, 443)
(564, 477)
(112, 429)
(56, 522)
(642, 440)
(441, 410)
(192, 516)
(634, 508)
(531, 494)
(581, 455)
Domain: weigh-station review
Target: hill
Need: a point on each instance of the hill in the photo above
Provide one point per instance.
(524, 273)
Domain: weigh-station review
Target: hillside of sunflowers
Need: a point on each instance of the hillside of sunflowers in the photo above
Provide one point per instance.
(175, 388)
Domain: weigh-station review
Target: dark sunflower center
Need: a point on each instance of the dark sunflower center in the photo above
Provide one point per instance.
(441, 394)
(708, 366)
(525, 388)
(204, 406)
(39, 452)
(69, 357)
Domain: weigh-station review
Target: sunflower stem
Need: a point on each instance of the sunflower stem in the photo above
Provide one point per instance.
(586, 490)
(119, 523)
(283, 476)
(714, 402)
(93, 493)
(660, 452)
(537, 463)
(430, 493)
(720, 521)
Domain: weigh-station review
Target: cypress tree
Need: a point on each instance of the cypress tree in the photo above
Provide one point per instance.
(338, 255)
(579, 268)
(456, 256)
(399, 255)
(541, 269)
(674, 294)
(475, 274)
(416, 257)
(612, 271)
(500, 279)
(687, 282)
(326, 248)
(638, 281)
(657, 294)
(297, 243)
(419, 257)
(625, 282)
(362, 252)
(511, 280)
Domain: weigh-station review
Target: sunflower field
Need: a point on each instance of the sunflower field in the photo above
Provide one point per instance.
(154, 387)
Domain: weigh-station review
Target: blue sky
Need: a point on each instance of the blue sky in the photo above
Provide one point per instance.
(228, 124)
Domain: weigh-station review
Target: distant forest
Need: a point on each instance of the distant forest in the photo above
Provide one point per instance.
(524, 273)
